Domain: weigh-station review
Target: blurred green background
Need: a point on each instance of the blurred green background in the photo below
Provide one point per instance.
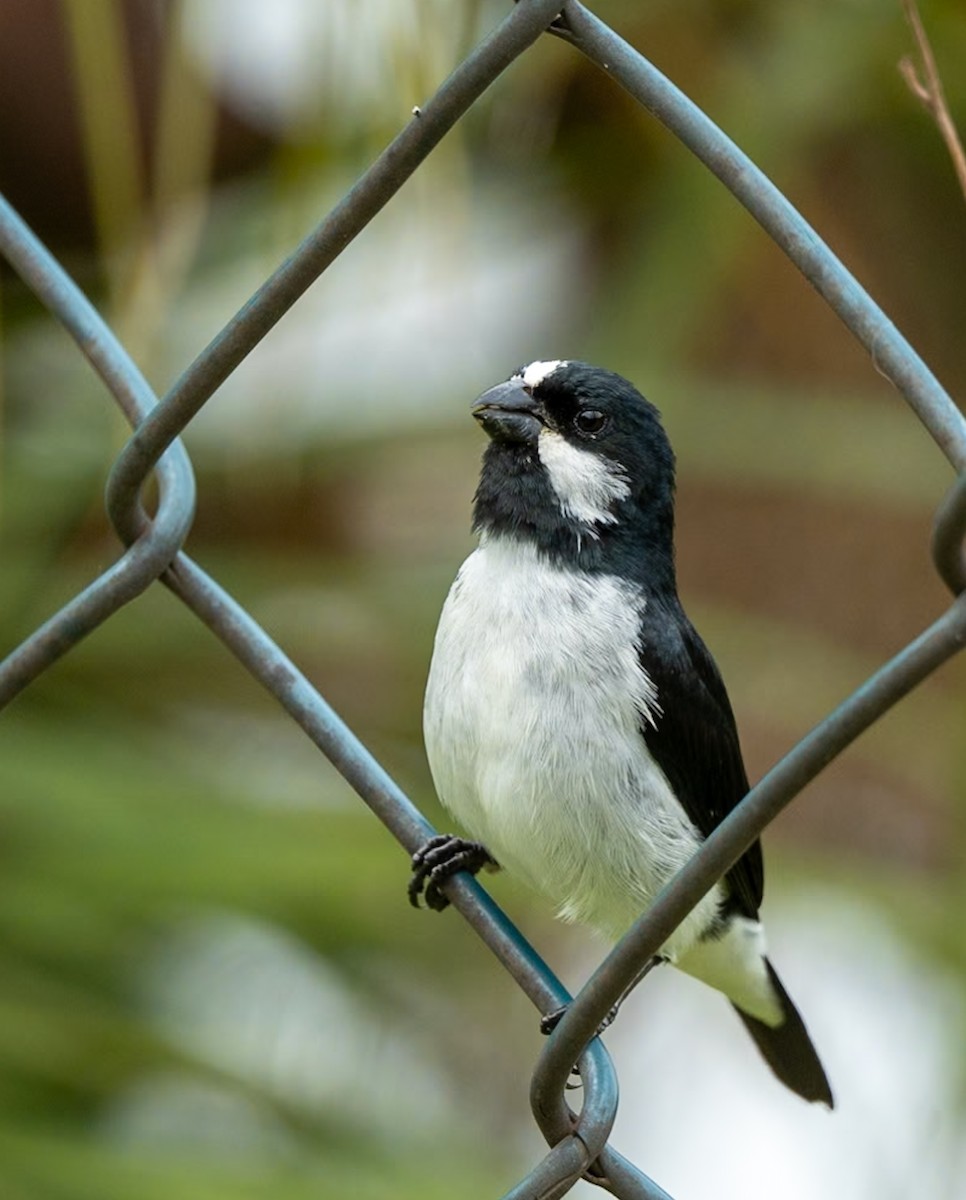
(211, 984)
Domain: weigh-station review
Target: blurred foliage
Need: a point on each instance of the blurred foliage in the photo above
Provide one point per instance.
(211, 984)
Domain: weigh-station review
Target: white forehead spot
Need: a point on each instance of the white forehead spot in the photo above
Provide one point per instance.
(537, 372)
(586, 484)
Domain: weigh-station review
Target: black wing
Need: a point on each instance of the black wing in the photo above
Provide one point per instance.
(695, 741)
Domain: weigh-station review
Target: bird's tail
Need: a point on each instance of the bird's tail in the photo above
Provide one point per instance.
(788, 1049)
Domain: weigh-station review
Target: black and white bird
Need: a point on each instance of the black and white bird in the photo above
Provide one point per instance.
(575, 723)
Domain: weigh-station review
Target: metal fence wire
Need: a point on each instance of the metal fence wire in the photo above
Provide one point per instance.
(578, 1140)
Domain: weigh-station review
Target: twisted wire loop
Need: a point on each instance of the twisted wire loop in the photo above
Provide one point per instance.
(153, 544)
(948, 551)
(578, 1141)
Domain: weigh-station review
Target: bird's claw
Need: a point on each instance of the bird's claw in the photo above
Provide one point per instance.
(549, 1021)
(439, 859)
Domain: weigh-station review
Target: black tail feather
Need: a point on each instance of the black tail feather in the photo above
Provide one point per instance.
(788, 1049)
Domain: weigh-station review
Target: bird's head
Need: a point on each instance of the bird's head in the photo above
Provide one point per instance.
(578, 462)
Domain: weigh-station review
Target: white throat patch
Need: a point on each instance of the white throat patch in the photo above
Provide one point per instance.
(534, 374)
(586, 484)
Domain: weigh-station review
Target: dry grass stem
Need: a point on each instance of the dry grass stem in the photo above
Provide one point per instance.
(928, 90)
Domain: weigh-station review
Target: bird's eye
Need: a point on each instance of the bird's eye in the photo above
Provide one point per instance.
(590, 420)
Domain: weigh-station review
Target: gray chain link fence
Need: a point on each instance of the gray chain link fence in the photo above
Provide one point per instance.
(578, 1141)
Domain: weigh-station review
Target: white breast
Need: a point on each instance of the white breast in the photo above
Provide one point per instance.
(532, 725)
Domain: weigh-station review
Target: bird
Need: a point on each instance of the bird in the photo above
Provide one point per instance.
(575, 723)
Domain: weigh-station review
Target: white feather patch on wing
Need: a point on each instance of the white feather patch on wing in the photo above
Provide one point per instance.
(586, 484)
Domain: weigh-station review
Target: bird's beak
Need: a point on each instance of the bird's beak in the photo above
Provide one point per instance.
(509, 413)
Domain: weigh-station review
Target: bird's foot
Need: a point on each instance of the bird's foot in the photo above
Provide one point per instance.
(549, 1021)
(440, 858)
